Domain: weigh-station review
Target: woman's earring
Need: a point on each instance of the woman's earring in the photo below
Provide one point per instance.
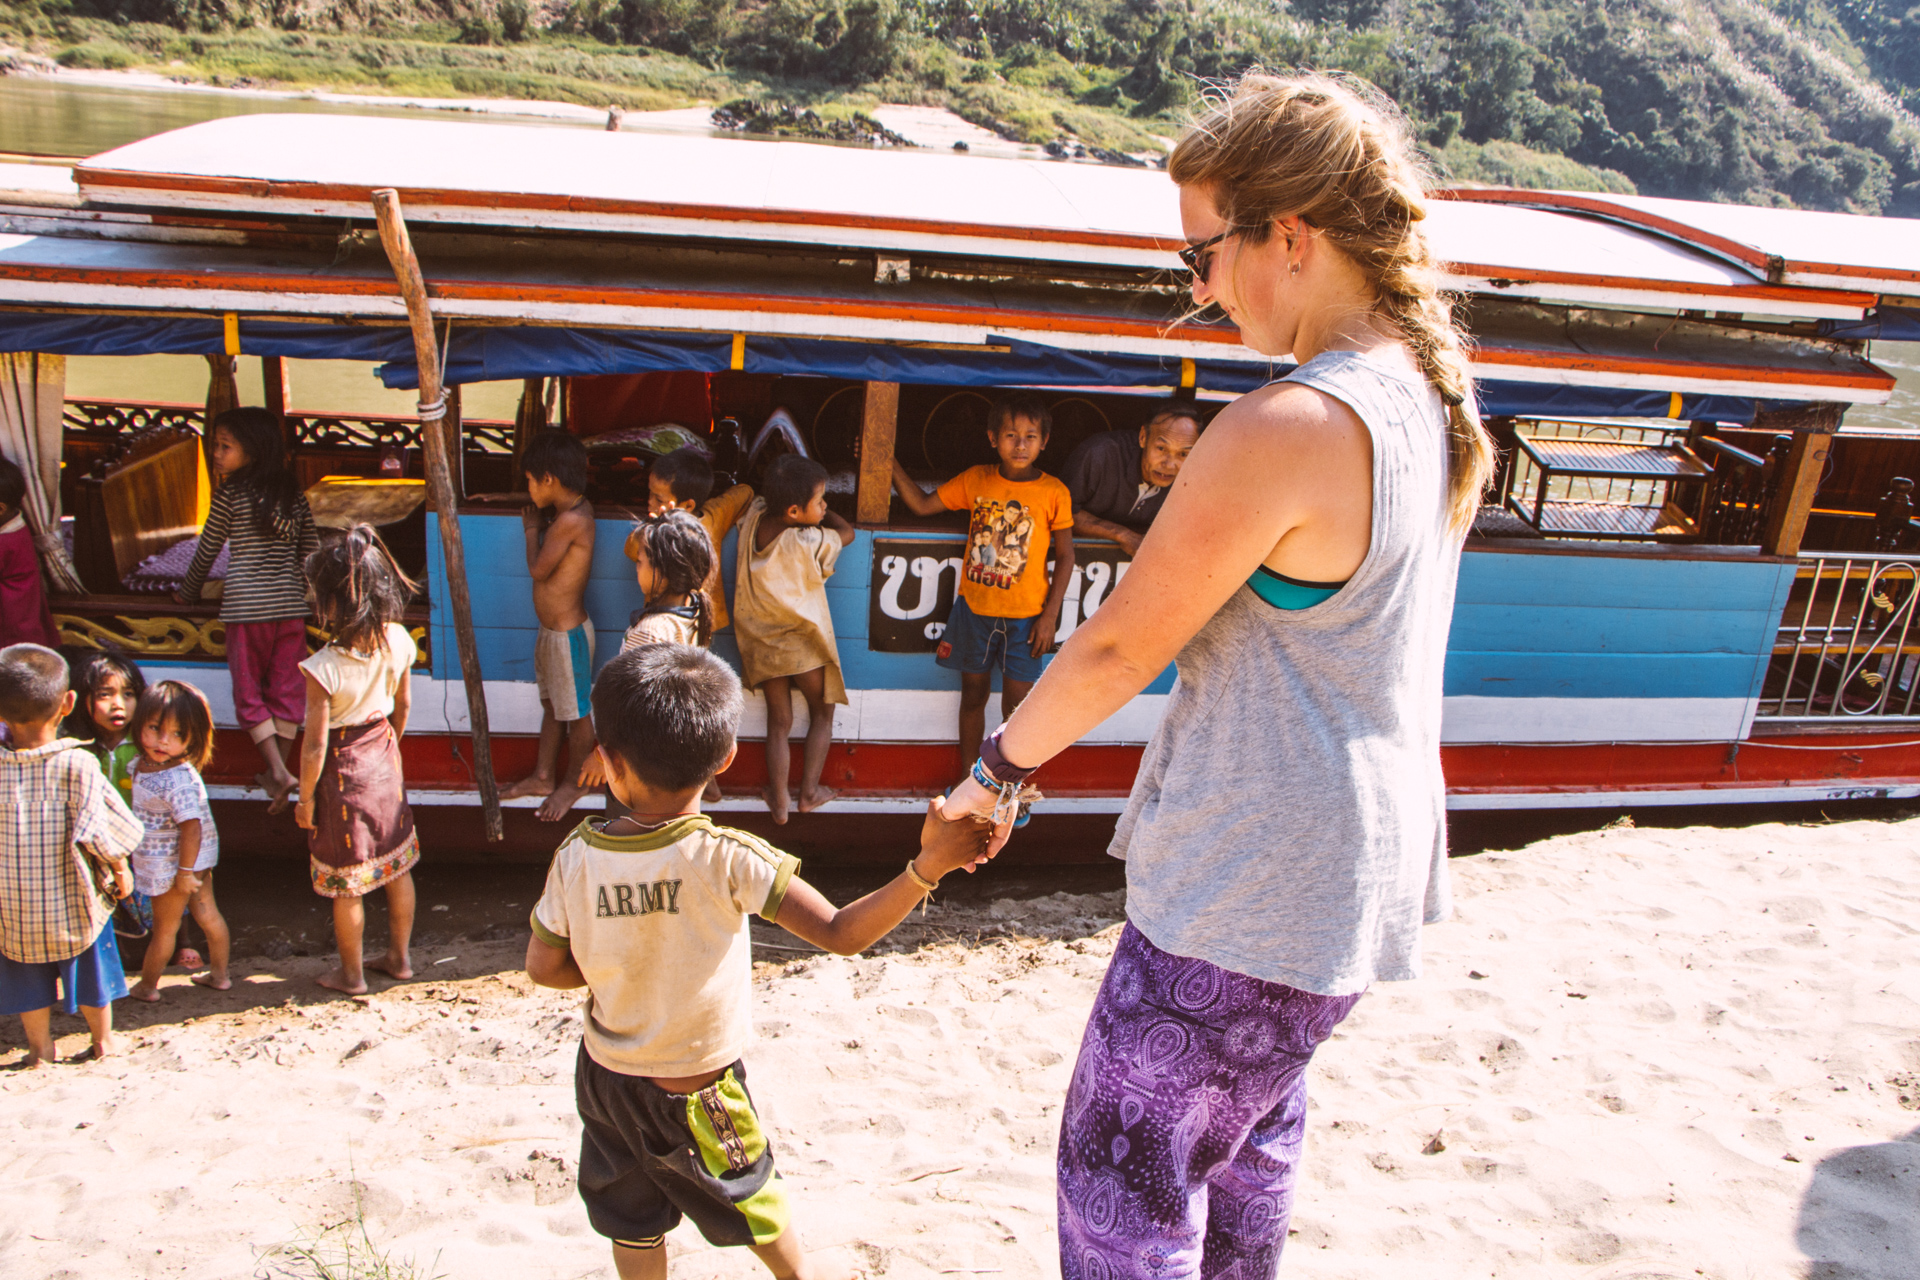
(1293, 270)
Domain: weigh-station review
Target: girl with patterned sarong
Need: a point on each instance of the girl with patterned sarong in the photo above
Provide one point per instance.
(1286, 835)
(353, 800)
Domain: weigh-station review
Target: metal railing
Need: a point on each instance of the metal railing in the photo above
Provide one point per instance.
(1847, 647)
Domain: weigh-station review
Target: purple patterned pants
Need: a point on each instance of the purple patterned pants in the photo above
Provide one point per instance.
(1182, 1127)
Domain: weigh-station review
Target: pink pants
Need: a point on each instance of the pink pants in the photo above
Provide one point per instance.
(269, 691)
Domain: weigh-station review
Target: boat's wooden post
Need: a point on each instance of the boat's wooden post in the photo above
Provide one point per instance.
(529, 421)
(223, 393)
(1812, 427)
(873, 496)
(433, 442)
(277, 389)
(453, 433)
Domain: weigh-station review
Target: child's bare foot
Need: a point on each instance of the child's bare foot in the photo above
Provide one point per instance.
(33, 1061)
(811, 800)
(776, 803)
(398, 968)
(213, 981)
(339, 981)
(279, 790)
(532, 785)
(561, 801)
(712, 794)
(145, 992)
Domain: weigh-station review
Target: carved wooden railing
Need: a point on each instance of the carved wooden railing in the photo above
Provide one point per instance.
(161, 628)
(109, 418)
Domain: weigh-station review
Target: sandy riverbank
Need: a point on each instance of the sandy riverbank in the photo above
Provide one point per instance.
(1644, 1054)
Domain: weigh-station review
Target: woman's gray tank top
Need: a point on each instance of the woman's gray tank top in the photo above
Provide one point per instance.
(1289, 818)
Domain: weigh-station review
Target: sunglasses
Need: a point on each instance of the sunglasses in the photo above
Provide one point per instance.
(1199, 257)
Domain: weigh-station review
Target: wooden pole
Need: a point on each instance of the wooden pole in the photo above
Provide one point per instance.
(1813, 428)
(873, 496)
(433, 447)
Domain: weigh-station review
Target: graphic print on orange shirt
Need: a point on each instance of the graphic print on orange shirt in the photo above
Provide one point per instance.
(999, 541)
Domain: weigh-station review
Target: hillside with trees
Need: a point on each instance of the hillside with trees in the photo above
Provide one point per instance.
(1788, 102)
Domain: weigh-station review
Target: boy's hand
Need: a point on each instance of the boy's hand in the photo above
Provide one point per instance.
(187, 881)
(949, 844)
(530, 518)
(594, 772)
(1044, 628)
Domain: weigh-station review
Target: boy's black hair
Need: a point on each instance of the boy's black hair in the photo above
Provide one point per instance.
(559, 456)
(13, 484)
(267, 477)
(357, 588)
(33, 680)
(186, 706)
(669, 711)
(791, 482)
(1021, 404)
(687, 473)
(87, 679)
(678, 548)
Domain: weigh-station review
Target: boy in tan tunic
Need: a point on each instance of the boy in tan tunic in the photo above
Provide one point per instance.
(789, 543)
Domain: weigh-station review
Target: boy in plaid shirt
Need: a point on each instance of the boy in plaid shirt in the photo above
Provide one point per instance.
(64, 839)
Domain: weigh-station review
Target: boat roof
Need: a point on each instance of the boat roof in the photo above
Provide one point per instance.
(1539, 246)
(1795, 247)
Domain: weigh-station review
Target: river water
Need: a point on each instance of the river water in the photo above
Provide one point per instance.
(46, 117)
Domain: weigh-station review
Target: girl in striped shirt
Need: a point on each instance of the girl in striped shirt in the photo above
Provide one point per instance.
(260, 510)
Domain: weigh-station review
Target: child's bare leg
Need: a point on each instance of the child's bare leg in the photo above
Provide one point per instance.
(788, 1261)
(36, 1025)
(1012, 694)
(168, 909)
(398, 962)
(349, 923)
(641, 1264)
(975, 689)
(100, 1026)
(779, 693)
(560, 800)
(278, 780)
(540, 781)
(813, 687)
(219, 942)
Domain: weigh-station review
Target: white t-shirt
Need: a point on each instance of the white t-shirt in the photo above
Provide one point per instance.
(162, 800)
(658, 925)
(360, 685)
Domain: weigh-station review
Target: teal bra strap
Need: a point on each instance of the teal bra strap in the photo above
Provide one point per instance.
(1283, 592)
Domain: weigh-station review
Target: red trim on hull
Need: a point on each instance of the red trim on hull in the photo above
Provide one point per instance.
(440, 762)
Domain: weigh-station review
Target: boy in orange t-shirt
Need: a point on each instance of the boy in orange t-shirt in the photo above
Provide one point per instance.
(1008, 606)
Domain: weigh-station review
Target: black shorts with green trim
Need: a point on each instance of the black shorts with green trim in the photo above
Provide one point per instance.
(648, 1156)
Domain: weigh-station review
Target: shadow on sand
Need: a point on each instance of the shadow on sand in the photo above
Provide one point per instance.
(1860, 1219)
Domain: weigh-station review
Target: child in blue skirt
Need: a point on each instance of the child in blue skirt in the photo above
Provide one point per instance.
(65, 835)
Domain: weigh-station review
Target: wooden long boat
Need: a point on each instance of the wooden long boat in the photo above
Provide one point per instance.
(1694, 584)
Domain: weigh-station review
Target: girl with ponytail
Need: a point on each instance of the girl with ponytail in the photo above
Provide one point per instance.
(673, 561)
(353, 800)
(1286, 835)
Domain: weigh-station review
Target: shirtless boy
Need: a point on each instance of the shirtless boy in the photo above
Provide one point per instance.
(559, 529)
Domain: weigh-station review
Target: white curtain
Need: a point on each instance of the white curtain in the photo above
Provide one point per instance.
(33, 392)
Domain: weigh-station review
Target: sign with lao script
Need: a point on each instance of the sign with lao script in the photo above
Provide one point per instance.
(914, 581)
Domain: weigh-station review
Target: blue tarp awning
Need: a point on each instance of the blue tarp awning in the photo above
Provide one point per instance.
(487, 354)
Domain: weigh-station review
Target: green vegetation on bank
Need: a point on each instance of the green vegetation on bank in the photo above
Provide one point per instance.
(1802, 102)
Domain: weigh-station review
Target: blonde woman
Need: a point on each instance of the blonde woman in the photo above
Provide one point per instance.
(1286, 835)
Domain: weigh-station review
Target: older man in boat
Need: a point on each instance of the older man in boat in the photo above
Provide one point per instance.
(1119, 478)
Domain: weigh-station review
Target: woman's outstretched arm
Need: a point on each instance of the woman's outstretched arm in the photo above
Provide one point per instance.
(1266, 467)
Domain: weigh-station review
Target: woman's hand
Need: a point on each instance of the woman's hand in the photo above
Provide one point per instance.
(122, 882)
(186, 882)
(303, 813)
